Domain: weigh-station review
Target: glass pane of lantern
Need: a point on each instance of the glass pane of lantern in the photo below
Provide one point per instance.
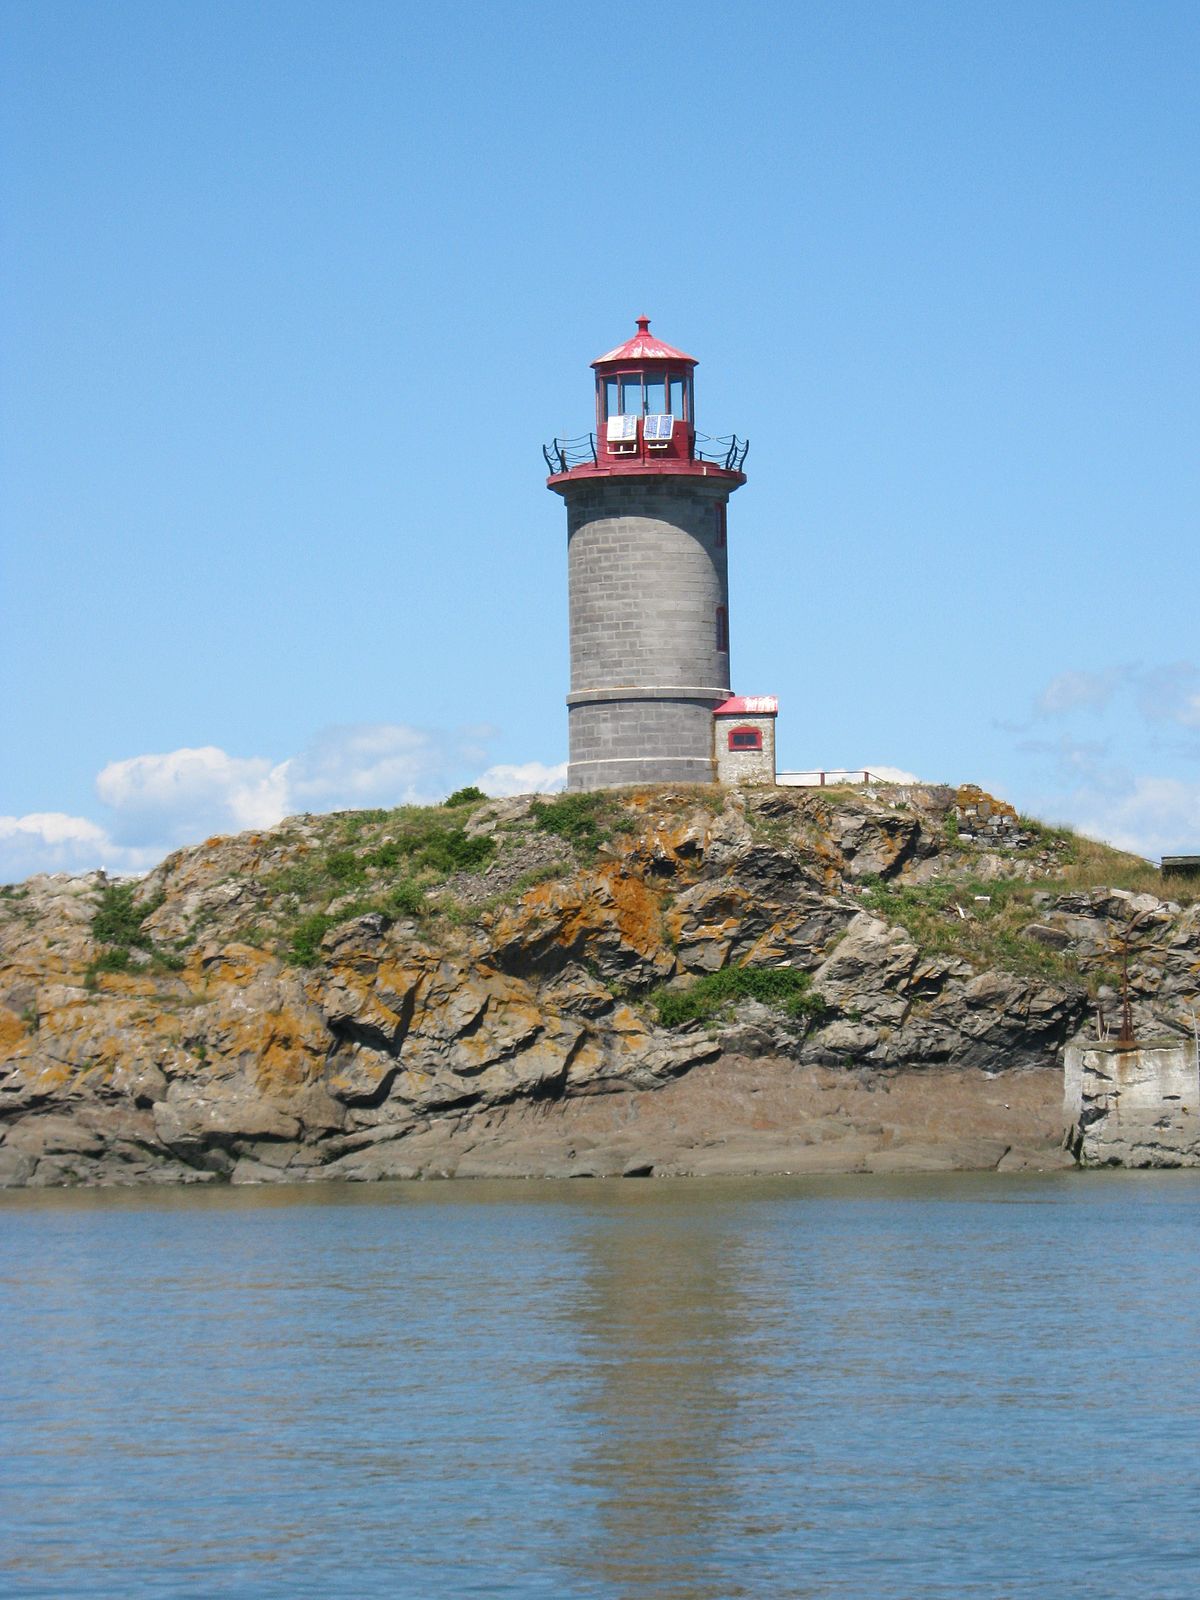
(631, 397)
(611, 409)
(676, 406)
(656, 396)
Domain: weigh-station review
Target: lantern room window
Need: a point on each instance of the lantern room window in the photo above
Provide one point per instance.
(635, 394)
(745, 738)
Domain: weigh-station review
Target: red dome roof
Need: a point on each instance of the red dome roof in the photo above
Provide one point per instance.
(644, 347)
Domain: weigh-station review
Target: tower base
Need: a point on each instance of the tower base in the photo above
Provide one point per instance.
(640, 736)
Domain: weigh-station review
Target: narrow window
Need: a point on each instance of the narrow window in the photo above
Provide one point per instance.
(631, 397)
(722, 628)
(745, 738)
(656, 397)
(675, 389)
(610, 398)
(719, 510)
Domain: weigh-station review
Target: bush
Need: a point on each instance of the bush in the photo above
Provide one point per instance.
(782, 988)
(470, 796)
(305, 949)
(574, 817)
(390, 854)
(405, 900)
(454, 852)
(115, 959)
(118, 921)
(438, 848)
(344, 867)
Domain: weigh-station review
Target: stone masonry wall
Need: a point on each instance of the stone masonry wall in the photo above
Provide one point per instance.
(745, 766)
(1133, 1108)
(647, 573)
(666, 734)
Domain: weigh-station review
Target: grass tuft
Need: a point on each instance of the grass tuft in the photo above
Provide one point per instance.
(714, 995)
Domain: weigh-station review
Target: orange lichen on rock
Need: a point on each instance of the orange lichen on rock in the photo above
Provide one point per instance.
(972, 800)
(13, 1031)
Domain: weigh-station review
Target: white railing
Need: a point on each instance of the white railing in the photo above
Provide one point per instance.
(817, 779)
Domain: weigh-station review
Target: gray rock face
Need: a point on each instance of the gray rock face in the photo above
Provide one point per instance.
(234, 1064)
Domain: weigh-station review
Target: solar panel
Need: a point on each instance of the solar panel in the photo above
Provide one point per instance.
(660, 426)
(622, 430)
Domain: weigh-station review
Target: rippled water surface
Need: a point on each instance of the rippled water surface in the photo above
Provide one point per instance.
(877, 1388)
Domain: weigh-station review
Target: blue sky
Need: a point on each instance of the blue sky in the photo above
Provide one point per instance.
(293, 292)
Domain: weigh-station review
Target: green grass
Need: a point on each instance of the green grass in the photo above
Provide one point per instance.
(714, 995)
(581, 819)
(991, 934)
(386, 866)
(302, 938)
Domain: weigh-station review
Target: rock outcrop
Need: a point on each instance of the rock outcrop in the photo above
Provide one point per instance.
(479, 988)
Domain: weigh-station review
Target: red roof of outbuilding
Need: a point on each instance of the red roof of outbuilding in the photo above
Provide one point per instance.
(748, 705)
(644, 347)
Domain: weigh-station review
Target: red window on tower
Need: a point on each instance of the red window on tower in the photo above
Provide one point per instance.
(745, 738)
(722, 628)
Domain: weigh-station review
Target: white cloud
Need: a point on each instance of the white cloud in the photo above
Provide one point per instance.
(1169, 692)
(372, 764)
(531, 777)
(156, 802)
(890, 774)
(1153, 817)
(190, 793)
(52, 841)
(1076, 691)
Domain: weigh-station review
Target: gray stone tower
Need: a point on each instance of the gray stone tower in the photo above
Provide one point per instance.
(647, 572)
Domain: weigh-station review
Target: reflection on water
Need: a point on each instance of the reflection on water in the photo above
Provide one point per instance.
(952, 1387)
(658, 1314)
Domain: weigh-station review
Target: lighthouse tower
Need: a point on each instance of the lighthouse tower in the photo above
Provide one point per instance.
(647, 563)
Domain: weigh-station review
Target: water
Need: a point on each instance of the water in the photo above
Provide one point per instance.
(976, 1386)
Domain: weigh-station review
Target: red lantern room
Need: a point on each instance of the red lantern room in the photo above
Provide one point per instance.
(645, 418)
(644, 401)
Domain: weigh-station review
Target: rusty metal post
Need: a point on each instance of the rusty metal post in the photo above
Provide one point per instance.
(1125, 1039)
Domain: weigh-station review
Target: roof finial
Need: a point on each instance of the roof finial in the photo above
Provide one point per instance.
(643, 324)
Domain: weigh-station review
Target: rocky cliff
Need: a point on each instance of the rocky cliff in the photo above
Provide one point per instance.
(663, 980)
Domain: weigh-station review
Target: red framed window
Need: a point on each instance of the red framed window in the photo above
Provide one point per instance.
(745, 738)
(722, 628)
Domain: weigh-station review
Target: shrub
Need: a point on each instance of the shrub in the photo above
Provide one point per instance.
(470, 796)
(344, 867)
(436, 847)
(782, 988)
(390, 854)
(114, 959)
(573, 817)
(406, 899)
(305, 948)
(454, 852)
(118, 921)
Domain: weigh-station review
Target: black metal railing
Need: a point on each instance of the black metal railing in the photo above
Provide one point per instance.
(563, 454)
(729, 452)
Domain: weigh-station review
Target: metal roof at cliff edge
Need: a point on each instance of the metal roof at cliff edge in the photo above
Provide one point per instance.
(644, 347)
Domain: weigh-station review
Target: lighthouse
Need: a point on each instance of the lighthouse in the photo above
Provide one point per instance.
(647, 499)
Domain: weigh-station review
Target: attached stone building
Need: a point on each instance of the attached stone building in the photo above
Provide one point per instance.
(744, 739)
